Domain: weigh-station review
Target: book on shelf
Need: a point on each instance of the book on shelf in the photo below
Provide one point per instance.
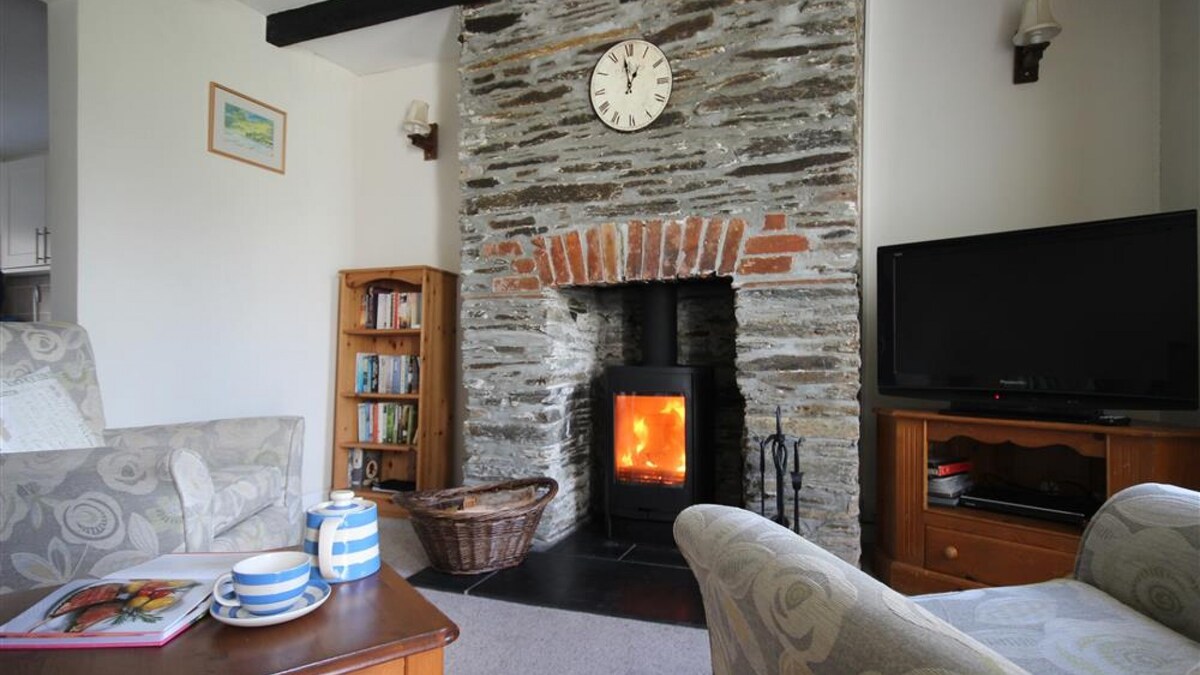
(90, 613)
(354, 467)
(372, 463)
(364, 467)
(948, 466)
(949, 486)
(386, 308)
(386, 373)
(394, 423)
(938, 500)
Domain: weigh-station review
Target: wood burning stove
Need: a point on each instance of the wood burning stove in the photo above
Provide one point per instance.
(656, 448)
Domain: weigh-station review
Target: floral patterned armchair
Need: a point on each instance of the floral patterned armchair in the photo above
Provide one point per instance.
(89, 511)
(776, 603)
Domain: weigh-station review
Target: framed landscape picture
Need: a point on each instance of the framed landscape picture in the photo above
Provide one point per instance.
(246, 129)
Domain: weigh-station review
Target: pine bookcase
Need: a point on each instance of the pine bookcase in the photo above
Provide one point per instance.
(426, 460)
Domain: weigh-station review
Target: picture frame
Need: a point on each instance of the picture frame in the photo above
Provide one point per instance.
(246, 129)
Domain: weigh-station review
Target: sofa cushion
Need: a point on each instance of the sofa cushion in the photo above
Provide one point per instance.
(65, 350)
(216, 501)
(242, 491)
(39, 414)
(1064, 626)
(1143, 548)
(195, 487)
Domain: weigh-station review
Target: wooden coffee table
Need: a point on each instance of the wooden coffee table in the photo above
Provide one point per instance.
(375, 625)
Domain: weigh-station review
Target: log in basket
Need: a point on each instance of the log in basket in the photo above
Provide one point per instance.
(479, 528)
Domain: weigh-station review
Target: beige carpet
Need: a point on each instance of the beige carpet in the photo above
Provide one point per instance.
(504, 637)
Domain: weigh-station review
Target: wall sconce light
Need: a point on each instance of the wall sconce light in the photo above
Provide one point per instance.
(1037, 28)
(422, 134)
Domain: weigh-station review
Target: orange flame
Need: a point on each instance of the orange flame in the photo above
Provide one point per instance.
(650, 439)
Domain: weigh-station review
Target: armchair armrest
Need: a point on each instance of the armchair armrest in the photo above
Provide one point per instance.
(267, 441)
(778, 603)
(1143, 548)
(86, 512)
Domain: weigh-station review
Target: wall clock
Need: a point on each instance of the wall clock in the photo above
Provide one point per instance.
(631, 85)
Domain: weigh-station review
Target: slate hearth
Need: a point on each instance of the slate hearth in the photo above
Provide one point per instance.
(588, 572)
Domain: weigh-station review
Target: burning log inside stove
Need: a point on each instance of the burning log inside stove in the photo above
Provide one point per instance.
(650, 439)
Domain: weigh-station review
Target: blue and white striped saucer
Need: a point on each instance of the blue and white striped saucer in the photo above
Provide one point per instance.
(316, 593)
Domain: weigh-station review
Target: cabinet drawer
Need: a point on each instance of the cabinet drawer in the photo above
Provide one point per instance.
(992, 561)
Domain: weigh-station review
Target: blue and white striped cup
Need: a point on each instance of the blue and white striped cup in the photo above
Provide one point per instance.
(265, 584)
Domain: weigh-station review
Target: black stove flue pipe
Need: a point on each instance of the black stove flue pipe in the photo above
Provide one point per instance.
(660, 342)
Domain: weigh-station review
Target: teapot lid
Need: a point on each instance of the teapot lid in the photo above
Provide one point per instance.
(343, 503)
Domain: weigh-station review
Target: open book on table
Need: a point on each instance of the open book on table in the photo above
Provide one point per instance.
(108, 613)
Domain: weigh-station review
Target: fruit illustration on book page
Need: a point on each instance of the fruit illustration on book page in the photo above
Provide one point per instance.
(105, 604)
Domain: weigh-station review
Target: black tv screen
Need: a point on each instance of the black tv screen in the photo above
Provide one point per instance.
(1069, 318)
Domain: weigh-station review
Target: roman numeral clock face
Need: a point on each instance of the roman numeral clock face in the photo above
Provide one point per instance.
(631, 85)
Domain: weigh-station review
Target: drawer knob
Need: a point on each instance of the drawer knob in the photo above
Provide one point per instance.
(950, 552)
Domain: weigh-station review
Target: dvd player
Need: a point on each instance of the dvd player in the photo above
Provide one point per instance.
(1060, 508)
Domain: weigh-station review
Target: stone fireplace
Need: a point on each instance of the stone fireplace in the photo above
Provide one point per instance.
(751, 177)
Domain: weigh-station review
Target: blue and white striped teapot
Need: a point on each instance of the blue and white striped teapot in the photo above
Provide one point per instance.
(341, 537)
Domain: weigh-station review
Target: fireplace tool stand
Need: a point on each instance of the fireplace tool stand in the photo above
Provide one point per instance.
(779, 446)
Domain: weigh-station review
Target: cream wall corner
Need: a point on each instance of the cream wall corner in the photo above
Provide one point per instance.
(406, 208)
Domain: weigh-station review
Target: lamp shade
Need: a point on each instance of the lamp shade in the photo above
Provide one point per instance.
(417, 119)
(1037, 24)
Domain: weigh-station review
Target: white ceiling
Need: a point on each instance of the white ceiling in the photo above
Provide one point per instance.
(424, 38)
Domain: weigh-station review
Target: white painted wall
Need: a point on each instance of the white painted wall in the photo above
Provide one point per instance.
(208, 285)
(1180, 104)
(62, 171)
(952, 147)
(1181, 122)
(406, 209)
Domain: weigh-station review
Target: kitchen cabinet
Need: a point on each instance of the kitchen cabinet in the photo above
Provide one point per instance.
(24, 235)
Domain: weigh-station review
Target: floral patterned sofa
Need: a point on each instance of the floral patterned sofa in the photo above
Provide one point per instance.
(776, 603)
(112, 498)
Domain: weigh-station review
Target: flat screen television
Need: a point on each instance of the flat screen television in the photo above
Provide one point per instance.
(1055, 322)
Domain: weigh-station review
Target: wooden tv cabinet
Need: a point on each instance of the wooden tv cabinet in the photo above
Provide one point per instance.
(927, 549)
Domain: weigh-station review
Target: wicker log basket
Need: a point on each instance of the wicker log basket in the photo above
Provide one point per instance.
(479, 528)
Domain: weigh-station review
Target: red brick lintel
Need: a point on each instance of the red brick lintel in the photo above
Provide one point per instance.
(652, 250)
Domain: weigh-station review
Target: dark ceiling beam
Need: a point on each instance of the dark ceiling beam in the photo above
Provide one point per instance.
(338, 16)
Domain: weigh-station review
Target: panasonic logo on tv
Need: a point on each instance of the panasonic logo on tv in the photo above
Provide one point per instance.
(1014, 383)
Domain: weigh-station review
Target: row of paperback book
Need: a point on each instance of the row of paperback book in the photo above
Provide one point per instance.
(387, 308)
(949, 478)
(387, 423)
(386, 373)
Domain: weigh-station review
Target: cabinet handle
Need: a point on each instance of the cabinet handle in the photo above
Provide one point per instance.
(41, 245)
(951, 553)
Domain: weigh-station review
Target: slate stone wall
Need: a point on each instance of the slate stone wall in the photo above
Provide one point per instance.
(750, 174)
